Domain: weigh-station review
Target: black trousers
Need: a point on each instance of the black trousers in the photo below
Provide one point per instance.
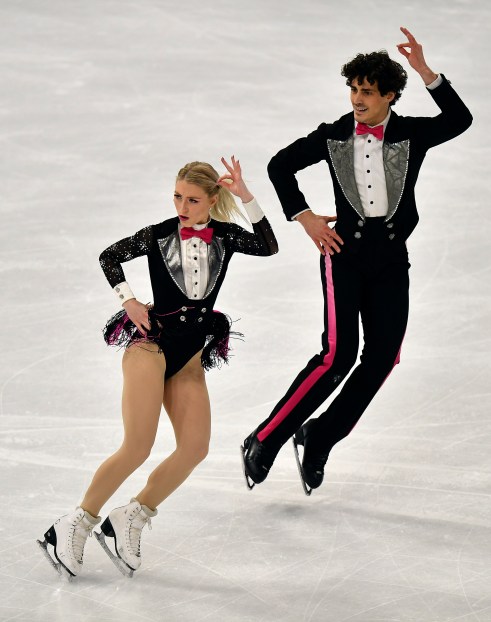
(373, 284)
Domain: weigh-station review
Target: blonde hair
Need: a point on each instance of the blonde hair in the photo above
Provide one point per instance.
(205, 176)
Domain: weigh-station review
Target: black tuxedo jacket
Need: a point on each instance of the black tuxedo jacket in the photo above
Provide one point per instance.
(406, 141)
(161, 244)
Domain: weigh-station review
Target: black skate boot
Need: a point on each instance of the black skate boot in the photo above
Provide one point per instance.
(257, 460)
(311, 468)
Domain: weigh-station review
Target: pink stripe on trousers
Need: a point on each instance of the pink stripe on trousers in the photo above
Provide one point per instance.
(319, 371)
(396, 362)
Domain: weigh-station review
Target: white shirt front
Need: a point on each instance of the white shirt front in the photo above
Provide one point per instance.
(194, 258)
(370, 173)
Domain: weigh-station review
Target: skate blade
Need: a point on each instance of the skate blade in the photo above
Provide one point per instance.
(249, 483)
(123, 568)
(307, 490)
(58, 566)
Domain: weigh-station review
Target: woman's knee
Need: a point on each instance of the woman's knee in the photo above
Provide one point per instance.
(136, 452)
(193, 452)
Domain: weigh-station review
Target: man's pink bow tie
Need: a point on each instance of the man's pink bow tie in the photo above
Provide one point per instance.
(205, 234)
(377, 131)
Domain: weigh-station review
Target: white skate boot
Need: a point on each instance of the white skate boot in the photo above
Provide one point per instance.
(67, 536)
(125, 526)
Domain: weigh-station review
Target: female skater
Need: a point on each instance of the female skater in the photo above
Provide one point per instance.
(168, 347)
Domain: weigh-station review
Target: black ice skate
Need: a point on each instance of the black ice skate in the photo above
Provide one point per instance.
(257, 460)
(67, 537)
(310, 468)
(124, 526)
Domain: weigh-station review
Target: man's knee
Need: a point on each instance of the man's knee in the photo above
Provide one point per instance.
(379, 364)
(344, 361)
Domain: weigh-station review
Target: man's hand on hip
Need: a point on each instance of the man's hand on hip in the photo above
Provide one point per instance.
(317, 228)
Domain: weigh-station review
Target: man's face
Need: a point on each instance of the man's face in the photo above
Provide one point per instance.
(370, 107)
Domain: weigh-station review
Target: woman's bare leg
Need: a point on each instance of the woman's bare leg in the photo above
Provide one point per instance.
(188, 406)
(143, 373)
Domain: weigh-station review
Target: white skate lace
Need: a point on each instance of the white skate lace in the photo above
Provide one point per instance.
(137, 520)
(77, 536)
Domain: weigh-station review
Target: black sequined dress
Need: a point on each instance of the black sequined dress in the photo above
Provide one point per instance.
(181, 326)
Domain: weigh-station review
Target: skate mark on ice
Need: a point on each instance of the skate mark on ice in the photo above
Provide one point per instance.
(21, 371)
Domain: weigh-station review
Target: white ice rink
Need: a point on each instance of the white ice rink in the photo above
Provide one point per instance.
(101, 103)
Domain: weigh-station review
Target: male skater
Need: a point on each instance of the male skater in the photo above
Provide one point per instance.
(374, 157)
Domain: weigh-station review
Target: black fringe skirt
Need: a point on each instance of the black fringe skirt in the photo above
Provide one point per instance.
(179, 336)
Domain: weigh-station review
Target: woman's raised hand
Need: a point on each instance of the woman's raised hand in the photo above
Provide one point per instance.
(233, 180)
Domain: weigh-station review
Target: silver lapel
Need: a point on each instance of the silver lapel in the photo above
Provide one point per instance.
(170, 249)
(342, 158)
(396, 160)
(216, 257)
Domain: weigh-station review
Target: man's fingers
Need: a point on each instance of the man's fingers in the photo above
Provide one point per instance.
(336, 237)
(407, 33)
(331, 244)
(319, 246)
(328, 244)
(332, 235)
(403, 51)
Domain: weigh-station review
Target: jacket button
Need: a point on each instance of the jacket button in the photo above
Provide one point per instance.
(184, 308)
(390, 225)
(200, 319)
(392, 236)
(183, 318)
(357, 235)
(360, 223)
(203, 310)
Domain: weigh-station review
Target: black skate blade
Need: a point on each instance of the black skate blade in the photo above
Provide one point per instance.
(123, 568)
(307, 490)
(249, 483)
(58, 566)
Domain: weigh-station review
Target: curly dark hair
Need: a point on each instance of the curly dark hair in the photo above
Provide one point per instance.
(377, 67)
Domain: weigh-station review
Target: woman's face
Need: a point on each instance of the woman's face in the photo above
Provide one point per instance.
(192, 204)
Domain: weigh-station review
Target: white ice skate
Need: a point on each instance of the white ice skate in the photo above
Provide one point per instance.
(67, 536)
(125, 526)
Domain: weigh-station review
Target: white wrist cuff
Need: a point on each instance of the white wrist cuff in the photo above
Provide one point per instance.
(435, 83)
(253, 210)
(123, 292)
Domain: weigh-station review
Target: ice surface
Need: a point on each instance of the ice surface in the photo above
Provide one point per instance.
(101, 103)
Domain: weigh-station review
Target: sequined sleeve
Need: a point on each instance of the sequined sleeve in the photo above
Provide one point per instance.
(261, 242)
(124, 250)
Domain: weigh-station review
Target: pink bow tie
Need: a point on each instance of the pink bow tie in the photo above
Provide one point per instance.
(205, 234)
(377, 131)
